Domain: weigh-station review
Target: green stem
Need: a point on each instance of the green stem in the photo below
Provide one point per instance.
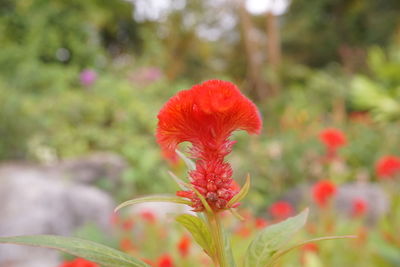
(218, 238)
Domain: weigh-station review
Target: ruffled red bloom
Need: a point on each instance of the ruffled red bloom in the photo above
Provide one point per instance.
(359, 207)
(388, 166)
(333, 138)
(79, 262)
(281, 210)
(323, 191)
(205, 116)
(165, 261)
(184, 245)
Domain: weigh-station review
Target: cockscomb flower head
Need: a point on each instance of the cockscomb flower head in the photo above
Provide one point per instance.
(206, 115)
(323, 191)
(388, 166)
(333, 139)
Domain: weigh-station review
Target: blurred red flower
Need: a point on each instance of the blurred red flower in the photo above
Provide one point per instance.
(165, 261)
(205, 116)
(127, 245)
(333, 138)
(388, 166)
(79, 262)
(323, 191)
(148, 216)
(128, 224)
(310, 247)
(281, 210)
(359, 207)
(261, 223)
(184, 245)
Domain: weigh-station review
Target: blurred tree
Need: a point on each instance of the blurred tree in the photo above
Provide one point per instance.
(316, 32)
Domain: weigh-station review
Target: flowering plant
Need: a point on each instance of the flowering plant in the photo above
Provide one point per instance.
(205, 115)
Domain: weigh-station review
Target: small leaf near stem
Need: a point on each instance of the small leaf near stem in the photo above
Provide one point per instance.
(199, 230)
(242, 193)
(154, 198)
(189, 163)
(272, 239)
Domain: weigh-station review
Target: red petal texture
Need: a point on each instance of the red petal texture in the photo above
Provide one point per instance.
(205, 115)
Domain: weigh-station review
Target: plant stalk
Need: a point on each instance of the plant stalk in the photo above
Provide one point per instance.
(215, 225)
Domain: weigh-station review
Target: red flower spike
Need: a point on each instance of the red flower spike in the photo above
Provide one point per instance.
(165, 261)
(281, 210)
(323, 191)
(206, 115)
(184, 246)
(388, 166)
(79, 262)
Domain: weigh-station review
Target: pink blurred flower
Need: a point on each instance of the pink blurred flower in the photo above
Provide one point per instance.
(88, 77)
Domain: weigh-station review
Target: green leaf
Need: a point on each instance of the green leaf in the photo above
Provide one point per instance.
(189, 163)
(95, 252)
(242, 193)
(272, 239)
(154, 198)
(228, 250)
(282, 252)
(199, 230)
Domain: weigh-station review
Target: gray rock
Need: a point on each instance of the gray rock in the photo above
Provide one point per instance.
(376, 199)
(34, 200)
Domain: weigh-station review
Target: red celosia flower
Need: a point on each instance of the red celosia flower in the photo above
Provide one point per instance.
(184, 245)
(243, 231)
(128, 224)
(205, 116)
(79, 262)
(333, 138)
(359, 207)
(165, 261)
(126, 244)
(310, 247)
(388, 166)
(261, 223)
(323, 191)
(148, 216)
(281, 210)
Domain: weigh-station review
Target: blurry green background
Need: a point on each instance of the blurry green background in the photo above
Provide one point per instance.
(83, 76)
